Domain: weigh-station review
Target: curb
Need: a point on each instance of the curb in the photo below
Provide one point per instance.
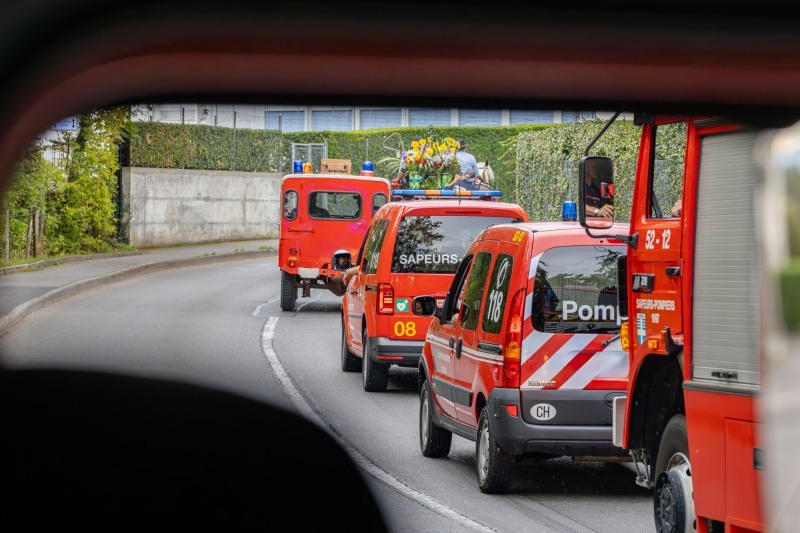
(31, 306)
(38, 265)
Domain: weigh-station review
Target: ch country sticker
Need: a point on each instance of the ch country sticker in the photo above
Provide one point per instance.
(641, 327)
(543, 411)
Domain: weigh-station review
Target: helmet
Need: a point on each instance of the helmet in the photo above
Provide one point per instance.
(341, 254)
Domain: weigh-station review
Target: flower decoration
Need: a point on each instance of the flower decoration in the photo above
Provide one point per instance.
(431, 157)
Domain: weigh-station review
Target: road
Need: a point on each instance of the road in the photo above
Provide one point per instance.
(221, 325)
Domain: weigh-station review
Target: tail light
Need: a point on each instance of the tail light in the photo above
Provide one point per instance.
(624, 336)
(385, 299)
(513, 350)
(292, 261)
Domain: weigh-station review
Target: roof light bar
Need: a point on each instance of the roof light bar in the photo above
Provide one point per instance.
(446, 193)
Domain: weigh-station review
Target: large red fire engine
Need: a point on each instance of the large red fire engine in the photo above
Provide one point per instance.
(690, 419)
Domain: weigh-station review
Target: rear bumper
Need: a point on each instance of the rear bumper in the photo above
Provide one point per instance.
(586, 430)
(400, 352)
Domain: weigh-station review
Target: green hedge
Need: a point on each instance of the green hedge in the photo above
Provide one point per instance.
(534, 165)
(547, 165)
(161, 145)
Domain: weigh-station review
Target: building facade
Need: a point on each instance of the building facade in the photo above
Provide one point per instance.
(340, 118)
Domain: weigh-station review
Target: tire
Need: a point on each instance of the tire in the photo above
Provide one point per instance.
(375, 375)
(350, 362)
(494, 467)
(288, 292)
(433, 440)
(673, 506)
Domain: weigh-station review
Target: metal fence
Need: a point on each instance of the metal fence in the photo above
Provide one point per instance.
(312, 153)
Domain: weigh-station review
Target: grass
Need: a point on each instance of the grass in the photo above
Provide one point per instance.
(17, 261)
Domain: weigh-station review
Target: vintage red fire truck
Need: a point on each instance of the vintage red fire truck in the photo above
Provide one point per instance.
(690, 418)
(323, 220)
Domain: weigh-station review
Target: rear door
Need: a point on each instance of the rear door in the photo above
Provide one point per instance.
(322, 215)
(570, 313)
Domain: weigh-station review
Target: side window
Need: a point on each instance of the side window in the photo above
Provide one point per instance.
(372, 250)
(498, 293)
(575, 290)
(377, 201)
(457, 288)
(360, 255)
(666, 170)
(290, 205)
(473, 295)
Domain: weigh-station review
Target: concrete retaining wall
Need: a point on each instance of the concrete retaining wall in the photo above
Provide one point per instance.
(165, 207)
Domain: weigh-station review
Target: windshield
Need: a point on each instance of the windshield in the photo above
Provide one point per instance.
(436, 244)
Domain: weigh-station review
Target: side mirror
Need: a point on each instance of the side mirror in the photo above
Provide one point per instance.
(424, 306)
(596, 192)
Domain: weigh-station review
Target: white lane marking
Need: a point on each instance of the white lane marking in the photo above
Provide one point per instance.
(259, 306)
(314, 299)
(267, 334)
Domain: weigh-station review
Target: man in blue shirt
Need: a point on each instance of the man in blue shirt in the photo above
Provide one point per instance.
(469, 175)
(467, 161)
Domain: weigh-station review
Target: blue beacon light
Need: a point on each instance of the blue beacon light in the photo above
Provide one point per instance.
(569, 211)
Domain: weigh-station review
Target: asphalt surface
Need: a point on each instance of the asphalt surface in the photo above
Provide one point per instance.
(23, 292)
(221, 325)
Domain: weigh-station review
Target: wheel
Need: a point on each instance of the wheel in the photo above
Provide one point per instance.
(433, 440)
(495, 468)
(673, 504)
(288, 292)
(375, 375)
(350, 362)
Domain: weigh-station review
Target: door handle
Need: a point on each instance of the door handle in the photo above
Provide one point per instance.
(354, 293)
(452, 342)
(458, 349)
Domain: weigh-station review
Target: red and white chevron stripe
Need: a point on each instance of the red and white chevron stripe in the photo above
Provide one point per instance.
(571, 361)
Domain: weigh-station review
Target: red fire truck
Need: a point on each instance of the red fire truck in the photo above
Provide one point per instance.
(324, 217)
(690, 418)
